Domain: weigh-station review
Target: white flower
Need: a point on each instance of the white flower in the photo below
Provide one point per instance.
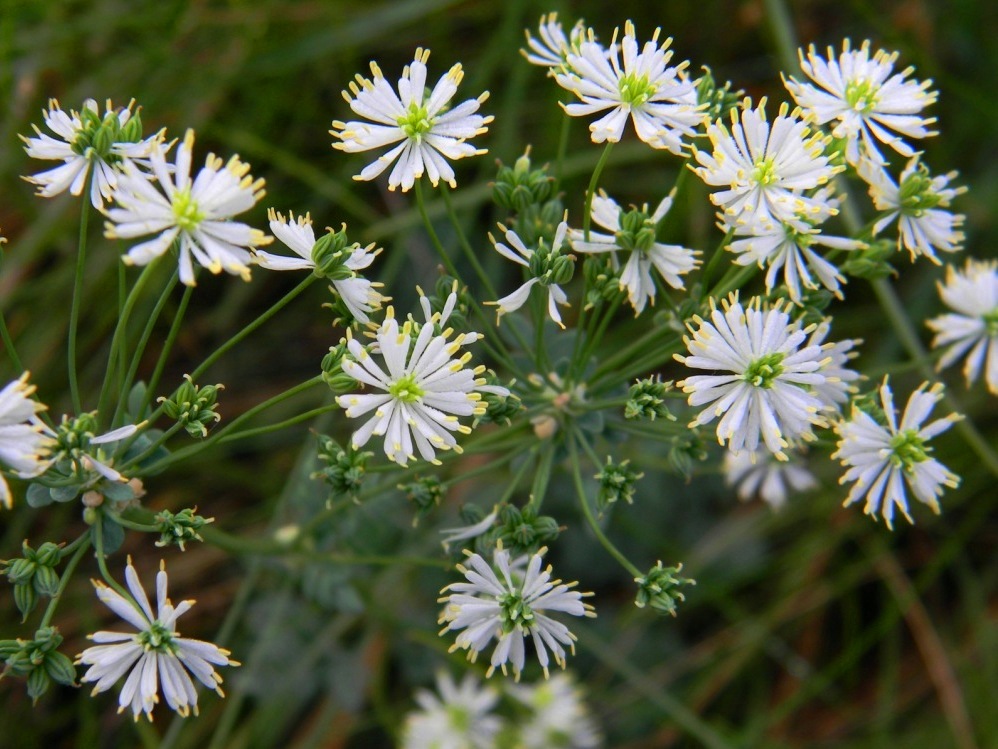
(508, 607)
(882, 459)
(634, 231)
(23, 444)
(86, 139)
(917, 201)
(839, 379)
(768, 393)
(79, 450)
(765, 168)
(327, 258)
(558, 715)
(416, 118)
(425, 389)
(758, 473)
(973, 294)
(864, 99)
(154, 655)
(790, 246)
(196, 214)
(660, 100)
(552, 46)
(453, 535)
(460, 718)
(547, 265)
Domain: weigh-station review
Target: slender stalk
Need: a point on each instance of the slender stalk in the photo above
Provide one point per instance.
(587, 218)
(67, 575)
(573, 453)
(98, 535)
(164, 352)
(559, 162)
(715, 259)
(8, 344)
(462, 239)
(74, 309)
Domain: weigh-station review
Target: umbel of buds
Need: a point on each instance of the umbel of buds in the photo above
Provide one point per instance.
(660, 588)
(193, 407)
(520, 187)
(616, 481)
(425, 493)
(646, 400)
(33, 574)
(343, 469)
(39, 660)
(176, 529)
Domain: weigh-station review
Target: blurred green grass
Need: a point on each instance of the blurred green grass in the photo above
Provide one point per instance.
(810, 628)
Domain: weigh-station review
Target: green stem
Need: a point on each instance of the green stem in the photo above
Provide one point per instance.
(140, 348)
(98, 535)
(164, 352)
(469, 251)
(119, 337)
(82, 544)
(559, 162)
(587, 218)
(8, 344)
(715, 259)
(542, 476)
(74, 309)
(573, 452)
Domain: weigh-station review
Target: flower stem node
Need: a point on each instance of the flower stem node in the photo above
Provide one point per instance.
(660, 588)
(39, 660)
(176, 529)
(193, 407)
(518, 187)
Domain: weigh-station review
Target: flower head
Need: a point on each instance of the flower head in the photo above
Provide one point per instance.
(791, 246)
(883, 458)
(634, 232)
(757, 473)
(551, 46)
(459, 718)
(331, 257)
(918, 201)
(768, 393)
(660, 100)
(196, 214)
(424, 389)
(88, 143)
(765, 167)
(154, 655)
(558, 715)
(416, 118)
(547, 266)
(509, 606)
(865, 99)
(973, 325)
(23, 442)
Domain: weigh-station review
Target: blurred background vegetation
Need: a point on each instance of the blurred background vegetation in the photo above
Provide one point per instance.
(812, 627)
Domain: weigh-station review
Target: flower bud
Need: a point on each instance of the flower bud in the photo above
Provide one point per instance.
(332, 370)
(330, 252)
(193, 407)
(45, 581)
(521, 187)
(617, 481)
(646, 400)
(25, 598)
(660, 588)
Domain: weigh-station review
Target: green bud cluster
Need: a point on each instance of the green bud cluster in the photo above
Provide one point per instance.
(176, 529)
(520, 531)
(871, 263)
(332, 370)
(602, 281)
(917, 194)
(520, 187)
(646, 399)
(660, 588)
(193, 407)
(616, 481)
(33, 574)
(444, 287)
(499, 409)
(99, 134)
(343, 469)
(538, 221)
(550, 266)
(719, 99)
(39, 660)
(330, 252)
(685, 450)
(637, 230)
(425, 493)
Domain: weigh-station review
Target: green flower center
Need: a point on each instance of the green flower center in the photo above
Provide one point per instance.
(516, 614)
(764, 370)
(916, 193)
(157, 638)
(765, 172)
(635, 90)
(801, 239)
(907, 449)
(416, 122)
(991, 321)
(186, 211)
(406, 389)
(862, 95)
(637, 231)
(97, 136)
(459, 718)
